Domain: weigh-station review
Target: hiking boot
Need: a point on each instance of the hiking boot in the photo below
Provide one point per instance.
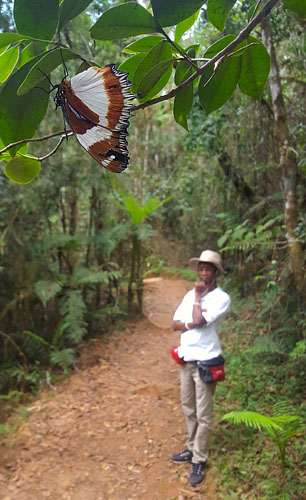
(196, 473)
(181, 458)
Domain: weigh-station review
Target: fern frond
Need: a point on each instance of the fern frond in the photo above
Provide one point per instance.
(299, 350)
(35, 337)
(83, 276)
(6, 374)
(45, 290)
(63, 358)
(283, 407)
(267, 345)
(251, 419)
(33, 346)
(291, 426)
(11, 395)
(73, 310)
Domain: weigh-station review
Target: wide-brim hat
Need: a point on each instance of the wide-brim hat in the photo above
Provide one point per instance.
(207, 256)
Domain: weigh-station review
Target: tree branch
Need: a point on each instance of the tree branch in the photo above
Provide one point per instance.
(64, 136)
(264, 11)
(185, 56)
(37, 139)
(226, 52)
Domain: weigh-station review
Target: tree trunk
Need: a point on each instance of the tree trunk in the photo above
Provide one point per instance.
(287, 160)
(235, 177)
(139, 277)
(132, 273)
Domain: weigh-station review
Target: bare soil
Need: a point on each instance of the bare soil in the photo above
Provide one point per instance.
(107, 432)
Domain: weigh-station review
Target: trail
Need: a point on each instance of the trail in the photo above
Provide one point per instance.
(107, 432)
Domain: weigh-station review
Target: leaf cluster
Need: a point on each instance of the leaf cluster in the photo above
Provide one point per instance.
(280, 428)
(35, 50)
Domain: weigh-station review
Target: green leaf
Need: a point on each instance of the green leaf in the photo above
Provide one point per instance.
(183, 66)
(222, 240)
(32, 50)
(217, 12)
(252, 419)
(70, 9)
(255, 69)
(45, 290)
(160, 52)
(3, 49)
(8, 38)
(296, 6)
(44, 65)
(134, 208)
(137, 211)
(8, 61)
(183, 104)
(128, 19)
(21, 115)
(171, 12)
(130, 65)
(153, 204)
(155, 80)
(254, 9)
(63, 358)
(36, 18)
(82, 275)
(143, 45)
(37, 338)
(185, 25)
(22, 169)
(219, 89)
(216, 47)
(6, 155)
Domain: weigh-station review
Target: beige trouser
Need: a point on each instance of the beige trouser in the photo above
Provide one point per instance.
(197, 405)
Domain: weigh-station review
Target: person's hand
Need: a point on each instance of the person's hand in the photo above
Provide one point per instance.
(200, 289)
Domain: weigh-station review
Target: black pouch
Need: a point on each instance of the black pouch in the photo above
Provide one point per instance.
(211, 370)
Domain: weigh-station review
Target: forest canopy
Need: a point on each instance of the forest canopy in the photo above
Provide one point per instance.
(31, 53)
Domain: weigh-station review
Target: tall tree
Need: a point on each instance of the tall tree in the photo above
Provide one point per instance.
(287, 158)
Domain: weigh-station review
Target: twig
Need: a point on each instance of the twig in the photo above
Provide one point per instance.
(264, 11)
(37, 139)
(56, 147)
(242, 49)
(9, 338)
(48, 381)
(185, 56)
(255, 10)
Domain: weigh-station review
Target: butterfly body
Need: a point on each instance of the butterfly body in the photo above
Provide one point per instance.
(94, 105)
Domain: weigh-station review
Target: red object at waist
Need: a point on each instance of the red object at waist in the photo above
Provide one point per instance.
(175, 356)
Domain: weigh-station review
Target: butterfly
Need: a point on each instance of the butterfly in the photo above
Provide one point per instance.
(94, 103)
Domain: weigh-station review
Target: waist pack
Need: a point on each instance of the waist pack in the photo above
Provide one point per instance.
(211, 370)
(175, 356)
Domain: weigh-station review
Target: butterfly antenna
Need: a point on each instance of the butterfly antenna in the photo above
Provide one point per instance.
(53, 87)
(64, 66)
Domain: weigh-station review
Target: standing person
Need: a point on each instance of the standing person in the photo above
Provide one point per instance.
(198, 317)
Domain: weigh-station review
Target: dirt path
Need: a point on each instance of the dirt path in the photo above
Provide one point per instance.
(107, 432)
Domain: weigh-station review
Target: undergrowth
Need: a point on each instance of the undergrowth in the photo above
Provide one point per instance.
(265, 369)
(155, 267)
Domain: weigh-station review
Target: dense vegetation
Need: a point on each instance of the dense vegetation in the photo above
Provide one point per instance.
(76, 242)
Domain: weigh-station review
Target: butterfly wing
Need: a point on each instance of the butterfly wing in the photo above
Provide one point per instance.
(95, 107)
